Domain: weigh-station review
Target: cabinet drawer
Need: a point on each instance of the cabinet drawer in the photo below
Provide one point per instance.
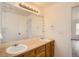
(47, 45)
(40, 49)
(30, 54)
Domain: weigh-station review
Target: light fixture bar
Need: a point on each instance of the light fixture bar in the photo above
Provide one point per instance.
(27, 7)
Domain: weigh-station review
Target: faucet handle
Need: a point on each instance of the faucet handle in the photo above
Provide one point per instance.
(19, 33)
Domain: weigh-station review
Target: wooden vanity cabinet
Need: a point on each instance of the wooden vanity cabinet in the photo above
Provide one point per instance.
(52, 48)
(46, 50)
(40, 51)
(30, 54)
(27, 54)
(21, 55)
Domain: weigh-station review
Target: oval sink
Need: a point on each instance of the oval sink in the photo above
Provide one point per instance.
(16, 49)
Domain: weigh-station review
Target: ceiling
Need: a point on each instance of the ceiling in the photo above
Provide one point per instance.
(41, 4)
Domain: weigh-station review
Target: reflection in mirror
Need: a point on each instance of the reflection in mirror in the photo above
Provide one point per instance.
(77, 28)
(17, 24)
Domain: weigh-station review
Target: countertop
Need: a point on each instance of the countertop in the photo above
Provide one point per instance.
(31, 43)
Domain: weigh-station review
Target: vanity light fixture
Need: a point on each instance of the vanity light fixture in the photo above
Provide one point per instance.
(28, 8)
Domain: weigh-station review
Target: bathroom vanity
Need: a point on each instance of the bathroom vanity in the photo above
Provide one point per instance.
(36, 48)
(45, 50)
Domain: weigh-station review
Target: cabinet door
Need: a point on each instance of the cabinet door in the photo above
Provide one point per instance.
(30, 54)
(40, 51)
(42, 54)
(52, 48)
(48, 50)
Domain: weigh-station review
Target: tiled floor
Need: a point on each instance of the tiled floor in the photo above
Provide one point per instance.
(75, 48)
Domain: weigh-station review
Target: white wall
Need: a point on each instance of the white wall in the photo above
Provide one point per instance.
(0, 20)
(75, 13)
(58, 26)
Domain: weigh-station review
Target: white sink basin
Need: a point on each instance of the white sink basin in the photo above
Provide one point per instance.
(17, 49)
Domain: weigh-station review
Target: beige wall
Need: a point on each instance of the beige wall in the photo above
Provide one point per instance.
(58, 26)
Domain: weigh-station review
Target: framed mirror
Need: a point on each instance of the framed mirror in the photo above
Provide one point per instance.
(17, 24)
